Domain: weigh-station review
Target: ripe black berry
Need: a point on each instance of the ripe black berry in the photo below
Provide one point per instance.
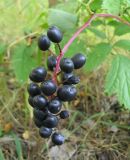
(38, 74)
(40, 102)
(51, 121)
(70, 78)
(30, 101)
(33, 89)
(48, 87)
(66, 65)
(38, 122)
(44, 43)
(78, 60)
(54, 34)
(54, 106)
(38, 114)
(66, 92)
(64, 114)
(51, 62)
(58, 139)
(45, 132)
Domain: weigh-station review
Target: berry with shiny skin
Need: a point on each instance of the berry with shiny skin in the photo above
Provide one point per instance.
(48, 87)
(40, 102)
(58, 139)
(40, 115)
(45, 132)
(67, 93)
(30, 101)
(54, 34)
(33, 89)
(70, 78)
(64, 114)
(51, 121)
(38, 74)
(44, 43)
(54, 106)
(51, 62)
(78, 60)
(66, 65)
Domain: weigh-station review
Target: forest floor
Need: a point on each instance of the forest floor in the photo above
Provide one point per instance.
(98, 127)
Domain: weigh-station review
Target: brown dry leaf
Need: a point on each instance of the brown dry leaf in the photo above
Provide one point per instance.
(26, 135)
(8, 127)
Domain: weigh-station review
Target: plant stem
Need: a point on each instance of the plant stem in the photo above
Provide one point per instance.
(94, 16)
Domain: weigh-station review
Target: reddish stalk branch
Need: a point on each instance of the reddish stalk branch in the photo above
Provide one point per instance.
(77, 33)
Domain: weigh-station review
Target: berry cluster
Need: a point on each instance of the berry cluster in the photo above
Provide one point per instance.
(45, 95)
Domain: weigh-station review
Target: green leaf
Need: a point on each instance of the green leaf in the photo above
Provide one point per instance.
(23, 61)
(118, 80)
(62, 19)
(98, 33)
(97, 55)
(68, 6)
(121, 29)
(18, 146)
(1, 155)
(125, 44)
(96, 4)
(111, 6)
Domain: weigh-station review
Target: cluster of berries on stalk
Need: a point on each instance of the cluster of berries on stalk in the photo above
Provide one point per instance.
(45, 95)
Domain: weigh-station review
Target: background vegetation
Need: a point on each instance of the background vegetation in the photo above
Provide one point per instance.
(99, 123)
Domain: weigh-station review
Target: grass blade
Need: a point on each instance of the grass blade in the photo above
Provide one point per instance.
(18, 147)
(1, 155)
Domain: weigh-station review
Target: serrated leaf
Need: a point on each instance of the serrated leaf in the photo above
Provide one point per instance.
(111, 6)
(23, 61)
(121, 29)
(118, 80)
(98, 55)
(125, 44)
(98, 33)
(62, 19)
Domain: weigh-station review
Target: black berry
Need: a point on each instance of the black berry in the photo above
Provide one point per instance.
(44, 43)
(78, 60)
(45, 132)
(64, 114)
(58, 139)
(66, 92)
(70, 78)
(38, 122)
(51, 121)
(48, 87)
(51, 62)
(38, 74)
(54, 106)
(66, 65)
(40, 102)
(30, 101)
(54, 34)
(33, 89)
(38, 114)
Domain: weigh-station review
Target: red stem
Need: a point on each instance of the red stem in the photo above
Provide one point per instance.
(77, 33)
